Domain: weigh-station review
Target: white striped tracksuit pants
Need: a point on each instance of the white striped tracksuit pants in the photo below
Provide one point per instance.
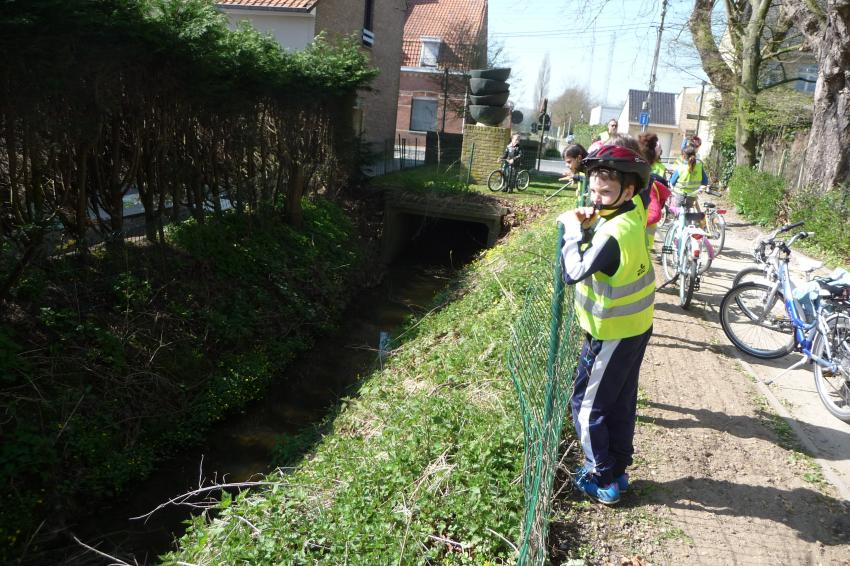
(604, 402)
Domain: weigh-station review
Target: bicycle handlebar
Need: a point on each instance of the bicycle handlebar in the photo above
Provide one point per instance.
(794, 238)
(788, 227)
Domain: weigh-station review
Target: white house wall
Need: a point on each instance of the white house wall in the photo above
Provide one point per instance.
(292, 31)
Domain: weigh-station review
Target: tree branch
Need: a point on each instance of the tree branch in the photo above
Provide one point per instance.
(778, 52)
(786, 81)
(715, 66)
(808, 17)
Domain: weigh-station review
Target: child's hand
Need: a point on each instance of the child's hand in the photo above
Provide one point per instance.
(583, 215)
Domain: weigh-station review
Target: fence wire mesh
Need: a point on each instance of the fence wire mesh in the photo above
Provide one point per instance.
(541, 359)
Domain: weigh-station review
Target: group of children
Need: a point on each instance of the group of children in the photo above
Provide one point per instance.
(605, 255)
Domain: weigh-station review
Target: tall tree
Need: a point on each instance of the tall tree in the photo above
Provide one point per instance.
(754, 34)
(571, 106)
(826, 26)
(541, 87)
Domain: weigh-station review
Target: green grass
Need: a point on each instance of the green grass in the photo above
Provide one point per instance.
(809, 469)
(423, 464)
(440, 179)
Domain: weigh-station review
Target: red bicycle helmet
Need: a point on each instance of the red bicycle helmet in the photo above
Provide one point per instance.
(620, 159)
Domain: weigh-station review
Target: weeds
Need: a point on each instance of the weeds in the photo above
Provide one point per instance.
(422, 467)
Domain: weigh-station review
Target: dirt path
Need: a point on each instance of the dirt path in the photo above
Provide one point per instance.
(720, 476)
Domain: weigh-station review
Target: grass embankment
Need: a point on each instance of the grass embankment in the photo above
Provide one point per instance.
(109, 363)
(766, 199)
(423, 465)
(434, 178)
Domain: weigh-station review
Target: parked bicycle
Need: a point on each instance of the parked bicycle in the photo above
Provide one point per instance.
(507, 178)
(763, 249)
(769, 321)
(715, 223)
(686, 253)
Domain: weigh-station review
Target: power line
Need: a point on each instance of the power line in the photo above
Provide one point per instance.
(572, 33)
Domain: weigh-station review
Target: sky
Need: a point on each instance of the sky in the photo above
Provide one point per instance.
(605, 46)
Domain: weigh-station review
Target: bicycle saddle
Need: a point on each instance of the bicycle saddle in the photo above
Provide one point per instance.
(836, 283)
(694, 216)
(709, 205)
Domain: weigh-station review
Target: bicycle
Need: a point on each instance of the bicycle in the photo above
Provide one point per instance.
(771, 321)
(715, 223)
(763, 248)
(513, 178)
(682, 256)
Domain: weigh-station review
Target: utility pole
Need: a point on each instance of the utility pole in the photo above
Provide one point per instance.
(646, 103)
(699, 112)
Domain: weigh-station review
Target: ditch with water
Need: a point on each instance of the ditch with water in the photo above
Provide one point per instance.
(245, 446)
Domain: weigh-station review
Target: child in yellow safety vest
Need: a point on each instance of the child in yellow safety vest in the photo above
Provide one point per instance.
(574, 175)
(687, 178)
(604, 255)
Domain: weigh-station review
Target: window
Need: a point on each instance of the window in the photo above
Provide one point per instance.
(430, 53)
(810, 73)
(423, 115)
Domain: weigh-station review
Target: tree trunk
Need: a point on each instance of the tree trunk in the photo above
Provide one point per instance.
(827, 29)
(293, 212)
(829, 139)
(745, 139)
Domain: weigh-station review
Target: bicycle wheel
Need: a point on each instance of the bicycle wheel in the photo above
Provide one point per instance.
(834, 386)
(496, 181)
(753, 273)
(687, 281)
(716, 229)
(670, 253)
(758, 329)
(522, 180)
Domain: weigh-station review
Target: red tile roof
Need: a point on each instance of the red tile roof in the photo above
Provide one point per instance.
(440, 18)
(281, 5)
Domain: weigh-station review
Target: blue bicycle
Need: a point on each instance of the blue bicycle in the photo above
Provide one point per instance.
(772, 319)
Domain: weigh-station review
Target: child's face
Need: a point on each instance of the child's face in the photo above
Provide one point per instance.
(605, 188)
(515, 140)
(572, 163)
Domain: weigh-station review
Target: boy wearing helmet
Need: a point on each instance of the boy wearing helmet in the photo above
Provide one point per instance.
(604, 255)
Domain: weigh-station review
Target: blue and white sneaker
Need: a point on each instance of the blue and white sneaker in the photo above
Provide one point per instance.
(623, 482)
(586, 482)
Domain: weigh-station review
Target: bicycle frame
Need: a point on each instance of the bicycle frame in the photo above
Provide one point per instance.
(690, 232)
(510, 172)
(804, 332)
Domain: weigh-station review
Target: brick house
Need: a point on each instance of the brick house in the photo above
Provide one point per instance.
(379, 23)
(442, 40)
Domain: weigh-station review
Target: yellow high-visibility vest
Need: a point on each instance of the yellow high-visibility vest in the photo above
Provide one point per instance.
(621, 305)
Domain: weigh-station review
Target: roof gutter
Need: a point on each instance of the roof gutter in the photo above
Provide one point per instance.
(240, 8)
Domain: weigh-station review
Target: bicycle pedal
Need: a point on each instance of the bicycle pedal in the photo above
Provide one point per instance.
(696, 284)
(667, 249)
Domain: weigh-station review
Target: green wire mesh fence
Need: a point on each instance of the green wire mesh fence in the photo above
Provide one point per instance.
(541, 359)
